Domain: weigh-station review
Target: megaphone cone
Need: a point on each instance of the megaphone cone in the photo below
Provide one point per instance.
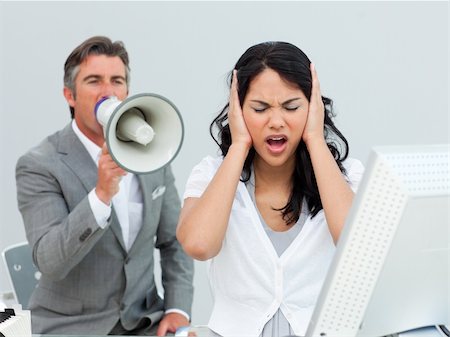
(143, 133)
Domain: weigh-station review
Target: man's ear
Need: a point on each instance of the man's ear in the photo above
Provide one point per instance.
(70, 98)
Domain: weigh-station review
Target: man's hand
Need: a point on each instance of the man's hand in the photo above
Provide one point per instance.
(109, 175)
(170, 323)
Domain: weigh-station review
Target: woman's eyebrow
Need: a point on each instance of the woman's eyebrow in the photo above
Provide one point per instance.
(291, 100)
(259, 102)
(284, 103)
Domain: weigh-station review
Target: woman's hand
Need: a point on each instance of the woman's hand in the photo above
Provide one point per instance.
(203, 221)
(316, 112)
(335, 193)
(238, 128)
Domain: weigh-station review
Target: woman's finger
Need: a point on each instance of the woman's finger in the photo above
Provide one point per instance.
(234, 97)
(315, 90)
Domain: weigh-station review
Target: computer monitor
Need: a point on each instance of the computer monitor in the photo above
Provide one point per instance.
(391, 268)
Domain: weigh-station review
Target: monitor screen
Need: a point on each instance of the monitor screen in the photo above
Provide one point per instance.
(390, 272)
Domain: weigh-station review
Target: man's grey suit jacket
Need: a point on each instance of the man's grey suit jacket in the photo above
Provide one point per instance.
(89, 280)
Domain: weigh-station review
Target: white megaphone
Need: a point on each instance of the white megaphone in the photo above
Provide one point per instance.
(143, 133)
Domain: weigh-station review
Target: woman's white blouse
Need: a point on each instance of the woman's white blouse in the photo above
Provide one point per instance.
(249, 282)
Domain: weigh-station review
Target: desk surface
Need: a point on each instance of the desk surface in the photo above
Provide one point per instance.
(421, 332)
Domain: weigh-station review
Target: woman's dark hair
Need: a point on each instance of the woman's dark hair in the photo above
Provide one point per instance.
(294, 66)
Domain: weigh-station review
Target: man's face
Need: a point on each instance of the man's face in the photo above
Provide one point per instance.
(99, 76)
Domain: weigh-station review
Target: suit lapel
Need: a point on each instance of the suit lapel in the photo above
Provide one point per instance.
(146, 188)
(117, 230)
(146, 184)
(76, 157)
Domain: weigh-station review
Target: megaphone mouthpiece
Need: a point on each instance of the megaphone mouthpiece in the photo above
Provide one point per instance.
(133, 127)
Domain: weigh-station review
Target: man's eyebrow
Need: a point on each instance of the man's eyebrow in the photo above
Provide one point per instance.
(118, 77)
(92, 77)
(99, 77)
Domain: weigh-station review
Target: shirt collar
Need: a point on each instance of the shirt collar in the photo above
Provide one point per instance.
(93, 149)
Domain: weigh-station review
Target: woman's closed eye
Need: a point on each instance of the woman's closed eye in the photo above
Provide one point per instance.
(259, 109)
(291, 107)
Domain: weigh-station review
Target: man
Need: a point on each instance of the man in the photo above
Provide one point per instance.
(92, 226)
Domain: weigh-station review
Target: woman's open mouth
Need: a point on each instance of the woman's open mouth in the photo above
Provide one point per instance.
(276, 143)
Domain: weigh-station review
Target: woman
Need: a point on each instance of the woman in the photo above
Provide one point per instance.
(268, 212)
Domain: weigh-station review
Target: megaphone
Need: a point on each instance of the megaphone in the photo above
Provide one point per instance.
(143, 133)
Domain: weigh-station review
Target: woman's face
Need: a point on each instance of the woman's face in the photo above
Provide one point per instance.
(275, 112)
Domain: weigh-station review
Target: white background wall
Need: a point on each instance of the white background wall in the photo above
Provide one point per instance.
(385, 64)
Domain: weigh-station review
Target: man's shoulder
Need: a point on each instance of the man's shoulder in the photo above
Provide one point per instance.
(47, 148)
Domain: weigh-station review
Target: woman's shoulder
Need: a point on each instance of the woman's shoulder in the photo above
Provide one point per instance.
(353, 164)
(201, 175)
(210, 162)
(354, 170)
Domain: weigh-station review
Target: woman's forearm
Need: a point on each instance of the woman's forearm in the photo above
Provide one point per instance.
(203, 221)
(335, 192)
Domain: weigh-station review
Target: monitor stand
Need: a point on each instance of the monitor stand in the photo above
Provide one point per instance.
(430, 331)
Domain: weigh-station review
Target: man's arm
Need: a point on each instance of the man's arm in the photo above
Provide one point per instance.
(59, 236)
(176, 267)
